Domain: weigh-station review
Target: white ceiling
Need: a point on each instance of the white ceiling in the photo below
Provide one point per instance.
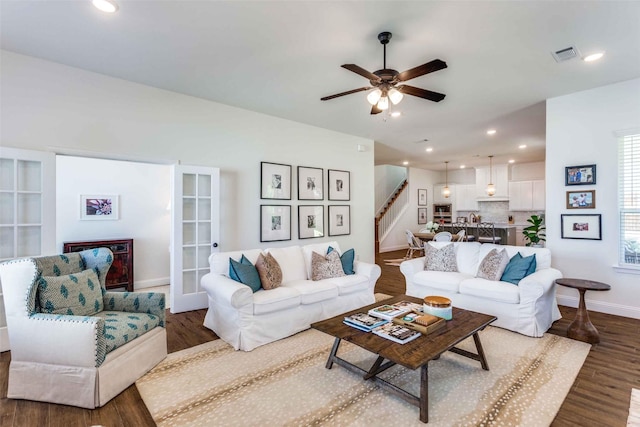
(280, 58)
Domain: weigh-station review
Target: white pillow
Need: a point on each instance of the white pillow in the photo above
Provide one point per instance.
(493, 265)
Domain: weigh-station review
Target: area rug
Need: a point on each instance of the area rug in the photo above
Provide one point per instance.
(634, 409)
(285, 383)
(395, 262)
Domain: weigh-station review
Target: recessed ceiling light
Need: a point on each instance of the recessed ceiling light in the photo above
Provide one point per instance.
(405, 163)
(523, 146)
(593, 57)
(511, 161)
(491, 132)
(462, 166)
(109, 6)
(396, 114)
(429, 149)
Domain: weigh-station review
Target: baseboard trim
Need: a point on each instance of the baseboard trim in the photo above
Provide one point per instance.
(601, 306)
(151, 283)
(393, 248)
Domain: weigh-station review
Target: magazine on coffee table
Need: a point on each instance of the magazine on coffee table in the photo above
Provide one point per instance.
(363, 321)
(389, 311)
(396, 333)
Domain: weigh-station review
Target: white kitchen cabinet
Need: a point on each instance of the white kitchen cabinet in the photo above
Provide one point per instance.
(527, 195)
(500, 177)
(539, 197)
(439, 198)
(466, 198)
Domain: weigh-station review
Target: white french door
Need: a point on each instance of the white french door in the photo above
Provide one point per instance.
(27, 211)
(195, 221)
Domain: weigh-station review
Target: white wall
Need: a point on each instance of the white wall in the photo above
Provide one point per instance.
(387, 179)
(47, 106)
(418, 179)
(526, 171)
(144, 193)
(580, 130)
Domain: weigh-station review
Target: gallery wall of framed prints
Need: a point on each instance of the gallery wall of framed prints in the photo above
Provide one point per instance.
(580, 226)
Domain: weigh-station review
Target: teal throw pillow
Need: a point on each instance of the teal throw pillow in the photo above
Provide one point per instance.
(533, 266)
(245, 272)
(518, 268)
(77, 294)
(347, 259)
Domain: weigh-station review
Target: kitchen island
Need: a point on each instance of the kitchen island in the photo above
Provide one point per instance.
(507, 232)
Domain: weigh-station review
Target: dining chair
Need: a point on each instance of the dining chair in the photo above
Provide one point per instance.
(443, 236)
(415, 245)
(486, 233)
(460, 236)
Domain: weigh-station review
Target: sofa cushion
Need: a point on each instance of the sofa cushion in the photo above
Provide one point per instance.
(443, 259)
(219, 262)
(518, 268)
(326, 267)
(347, 259)
(447, 281)
(269, 271)
(493, 264)
(277, 299)
(245, 272)
(321, 248)
(467, 255)
(312, 292)
(291, 262)
(120, 327)
(78, 294)
(350, 283)
(490, 290)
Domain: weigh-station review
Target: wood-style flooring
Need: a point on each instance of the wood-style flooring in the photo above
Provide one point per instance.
(599, 396)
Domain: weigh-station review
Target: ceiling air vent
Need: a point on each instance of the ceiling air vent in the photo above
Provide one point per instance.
(565, 54)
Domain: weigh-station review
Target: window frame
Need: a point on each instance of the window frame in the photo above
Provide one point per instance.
(631, 136)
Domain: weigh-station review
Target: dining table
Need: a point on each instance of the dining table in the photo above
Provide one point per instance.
(425, 237)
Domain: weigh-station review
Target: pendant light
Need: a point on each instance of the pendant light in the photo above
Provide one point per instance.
(445, 190)
(491, 189)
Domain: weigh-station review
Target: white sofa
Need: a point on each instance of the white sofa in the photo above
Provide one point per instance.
(528, 308)
(247, 320)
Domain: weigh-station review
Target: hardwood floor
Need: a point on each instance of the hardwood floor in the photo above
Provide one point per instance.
(599, 396)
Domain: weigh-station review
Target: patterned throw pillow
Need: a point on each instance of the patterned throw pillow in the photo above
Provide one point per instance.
(493, 265)
(77, 294)
(326, 267)
(269, 271)
(443, 259)
(346, 259)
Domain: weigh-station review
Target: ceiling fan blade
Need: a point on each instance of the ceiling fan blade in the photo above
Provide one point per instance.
(349, 92)
(421, 93)
(364, 73)
(375, 109)
(421, 70)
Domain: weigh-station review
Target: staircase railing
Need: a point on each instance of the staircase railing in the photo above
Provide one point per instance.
(390, 213)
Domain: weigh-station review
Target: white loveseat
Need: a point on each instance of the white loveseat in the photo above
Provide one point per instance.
(528, 308)
(247, 320)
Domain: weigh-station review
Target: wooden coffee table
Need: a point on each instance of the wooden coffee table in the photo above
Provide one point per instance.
(412, 355)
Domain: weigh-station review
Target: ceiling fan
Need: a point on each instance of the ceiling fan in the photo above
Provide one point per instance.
(385, 81)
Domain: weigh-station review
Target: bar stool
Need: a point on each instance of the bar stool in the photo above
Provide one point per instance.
(486, 233)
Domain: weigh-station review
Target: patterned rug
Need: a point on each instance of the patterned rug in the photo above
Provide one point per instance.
(285, 383)
(634, 409)
(395, 262)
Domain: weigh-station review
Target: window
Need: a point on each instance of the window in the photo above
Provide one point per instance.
(629, 199)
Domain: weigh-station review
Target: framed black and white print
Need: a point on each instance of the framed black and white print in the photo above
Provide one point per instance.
(275, 181)
(580, 175)
(275, 223)
(422, 215)
(422, 197)
(310, 183)
(578, 226)
(339, 220)
(339, 185)
(310, 221)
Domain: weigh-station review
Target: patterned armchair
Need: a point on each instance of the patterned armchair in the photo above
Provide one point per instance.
(72, 342)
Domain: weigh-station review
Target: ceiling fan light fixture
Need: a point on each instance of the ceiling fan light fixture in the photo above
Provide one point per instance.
(395, 96)
(109, 6)
(374, 96)
(383, 104)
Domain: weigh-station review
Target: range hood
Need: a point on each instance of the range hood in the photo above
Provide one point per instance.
(493, 199)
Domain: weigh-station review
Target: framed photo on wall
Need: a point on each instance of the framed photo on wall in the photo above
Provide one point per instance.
(576, 226)
(581, 199)
(275, 223)
(310, 221)
(422, 197)
(99, 207)
(275, 181)
(339, 220)
(339, 185)
(310, 183)
(422, 215)
(580, 175)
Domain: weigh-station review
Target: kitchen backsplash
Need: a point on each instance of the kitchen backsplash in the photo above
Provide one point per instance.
(499, 212)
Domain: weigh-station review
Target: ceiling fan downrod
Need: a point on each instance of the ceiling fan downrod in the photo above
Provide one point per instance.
(384, 38)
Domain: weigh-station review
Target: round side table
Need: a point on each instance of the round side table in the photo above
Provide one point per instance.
(581, 328)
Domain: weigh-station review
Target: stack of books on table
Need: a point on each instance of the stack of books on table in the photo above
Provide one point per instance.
(389, 311)
(396, 333)
(363, 321)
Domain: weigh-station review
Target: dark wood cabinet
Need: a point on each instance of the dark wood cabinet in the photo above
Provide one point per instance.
(120, 274)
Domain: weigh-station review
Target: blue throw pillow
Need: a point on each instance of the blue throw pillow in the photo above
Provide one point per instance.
(532, 267)
(347, 259)
(245, 273)
(518, 268)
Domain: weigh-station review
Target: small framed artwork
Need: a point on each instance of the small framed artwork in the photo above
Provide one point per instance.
(581, 199)
(422, 197)
(339, 185)
(275, 223)
(339, 220)
(310, 222)
(99, 207)
(422, 215)
(275, 181)
(580, 175)
(310, 183)
(576, 226)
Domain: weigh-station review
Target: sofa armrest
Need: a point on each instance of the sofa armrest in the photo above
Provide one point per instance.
(372, 271)
(58, 339)
(411, 267)
(537, 284)
(136, 302)
(226, 291)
